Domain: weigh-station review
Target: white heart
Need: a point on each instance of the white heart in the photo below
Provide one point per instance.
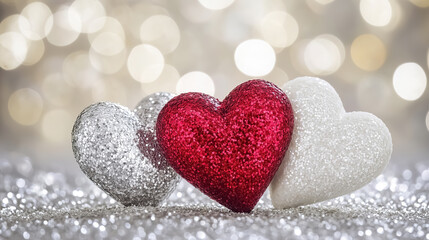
(332, 152)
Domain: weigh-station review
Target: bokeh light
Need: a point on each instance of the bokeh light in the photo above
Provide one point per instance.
(376, 12)
(374, 92)
(324, 2)
(133, 17)
(216, 5)
(279, 29)
(196, 82)
(297, 56)
(427, 61)
(56, 125)
(35, 52)
(108, 43)
(427, 121)
(324, 55)
(77, 70)
(109, 90)
(36, 21)
(162, 32)
(409, 81)
(11, 23)
(107, 25)
(255, 57)
(107, 64)
(196, 13)
(420, 3)
(25, 106)
(166, 82)
(62, 32)
(84, 13)
(56, 90)
(13, 50)
(145, 63)
(368, 52)
(278, 76)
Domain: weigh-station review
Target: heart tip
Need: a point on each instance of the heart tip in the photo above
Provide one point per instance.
(242, 209)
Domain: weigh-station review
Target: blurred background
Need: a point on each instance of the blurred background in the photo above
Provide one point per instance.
(58, 57)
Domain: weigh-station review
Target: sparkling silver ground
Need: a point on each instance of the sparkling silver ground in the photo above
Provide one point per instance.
(54, 204)
(332, 152)
(117, 149)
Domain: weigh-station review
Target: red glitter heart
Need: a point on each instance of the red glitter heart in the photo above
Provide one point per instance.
(230, 150)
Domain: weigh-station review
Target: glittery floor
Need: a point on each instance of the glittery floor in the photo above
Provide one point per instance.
(39, 204)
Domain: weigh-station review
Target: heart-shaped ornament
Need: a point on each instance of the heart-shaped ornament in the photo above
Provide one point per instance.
(229, 150)
(332, 152)
(117, 149)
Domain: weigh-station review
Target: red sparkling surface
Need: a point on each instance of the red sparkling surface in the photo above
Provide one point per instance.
(229, 150)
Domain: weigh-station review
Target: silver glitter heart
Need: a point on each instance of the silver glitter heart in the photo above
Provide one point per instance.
(117, 149)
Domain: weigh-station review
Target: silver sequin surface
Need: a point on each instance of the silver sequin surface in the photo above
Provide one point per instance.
(332, 152)
(40, 204)
(117, 150)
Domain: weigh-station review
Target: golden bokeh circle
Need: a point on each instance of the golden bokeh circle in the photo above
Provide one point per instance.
(25, 106)
(368, 52)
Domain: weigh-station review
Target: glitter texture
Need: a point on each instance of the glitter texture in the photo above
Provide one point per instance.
(56, 204)
(229, 150)
(332, 152)
(118, 151)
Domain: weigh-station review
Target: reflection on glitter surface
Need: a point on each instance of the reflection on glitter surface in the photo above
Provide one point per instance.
(68, 206)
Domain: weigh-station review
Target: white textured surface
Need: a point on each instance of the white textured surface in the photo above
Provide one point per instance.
(332, 152)
(117, 150)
